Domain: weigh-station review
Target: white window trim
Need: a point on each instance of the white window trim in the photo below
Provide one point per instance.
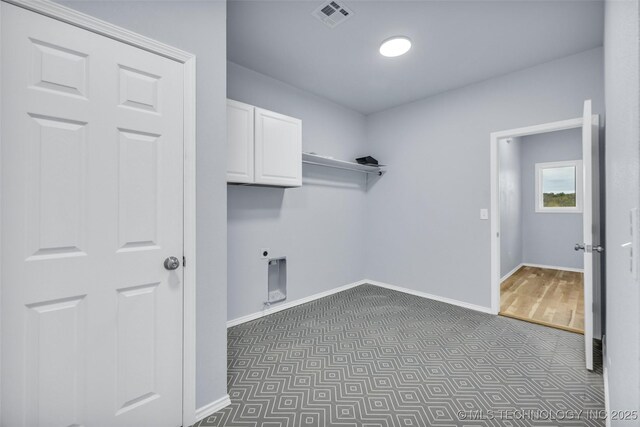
(577, 164)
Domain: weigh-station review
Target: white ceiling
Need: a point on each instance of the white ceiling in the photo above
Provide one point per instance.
(455, 43)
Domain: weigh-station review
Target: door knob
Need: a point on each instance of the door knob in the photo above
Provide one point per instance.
(171, 263)
(598, 249)
(579, 247)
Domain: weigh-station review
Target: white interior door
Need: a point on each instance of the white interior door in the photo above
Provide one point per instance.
(92, 204)
(591, 224)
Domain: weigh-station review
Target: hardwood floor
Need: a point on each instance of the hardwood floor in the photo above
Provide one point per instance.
(549, 297)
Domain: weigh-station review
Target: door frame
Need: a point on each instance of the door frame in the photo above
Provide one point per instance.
(495, 192)
(188, 61)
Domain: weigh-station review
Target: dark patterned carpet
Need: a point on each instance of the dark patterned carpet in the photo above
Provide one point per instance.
(370, 356)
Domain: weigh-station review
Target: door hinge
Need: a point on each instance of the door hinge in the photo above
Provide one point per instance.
(184, 261)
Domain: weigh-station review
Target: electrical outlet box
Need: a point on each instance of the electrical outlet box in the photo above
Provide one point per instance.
(484, 213)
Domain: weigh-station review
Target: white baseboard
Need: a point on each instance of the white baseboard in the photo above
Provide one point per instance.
(553, 267)
(550, 267)
(511, 273)
(213, 407)
(289, 304)
(430, 296)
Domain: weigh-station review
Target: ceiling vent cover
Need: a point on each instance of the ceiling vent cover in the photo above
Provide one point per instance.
(332, 13)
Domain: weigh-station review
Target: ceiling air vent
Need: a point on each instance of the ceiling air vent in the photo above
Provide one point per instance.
(332, 13)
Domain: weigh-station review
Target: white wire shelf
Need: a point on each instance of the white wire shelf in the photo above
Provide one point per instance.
(318, 160)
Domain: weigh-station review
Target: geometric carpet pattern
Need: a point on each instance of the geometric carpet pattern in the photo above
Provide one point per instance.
(370, 356)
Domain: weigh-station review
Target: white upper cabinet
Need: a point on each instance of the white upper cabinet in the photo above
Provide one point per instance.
(240, 142)
(263, 147)
(278, 149)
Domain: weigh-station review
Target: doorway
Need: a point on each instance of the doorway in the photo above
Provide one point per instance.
(540, 223)
(565, 186)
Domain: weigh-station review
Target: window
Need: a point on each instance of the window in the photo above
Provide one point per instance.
(559, 187)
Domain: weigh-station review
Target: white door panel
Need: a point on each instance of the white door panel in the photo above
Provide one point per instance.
(240, 118)
(92, 158)
(591, 224)
(278, 149)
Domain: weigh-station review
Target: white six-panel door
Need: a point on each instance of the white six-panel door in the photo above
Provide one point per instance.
(92, 204)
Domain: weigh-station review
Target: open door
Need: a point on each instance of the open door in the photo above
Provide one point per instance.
(591, 224)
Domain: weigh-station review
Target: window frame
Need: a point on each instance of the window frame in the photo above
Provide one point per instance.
(539, 195)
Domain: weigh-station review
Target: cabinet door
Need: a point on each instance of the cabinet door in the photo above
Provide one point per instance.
(240, 142)
(278, 149)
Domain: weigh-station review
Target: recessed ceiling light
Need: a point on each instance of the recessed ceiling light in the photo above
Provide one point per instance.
(395, 46)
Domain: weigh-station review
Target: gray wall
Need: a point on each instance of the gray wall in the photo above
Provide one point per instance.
(621, 41)
(438, 152)
(198, 27)
(510, 205)
(549, 238)
(318, 227)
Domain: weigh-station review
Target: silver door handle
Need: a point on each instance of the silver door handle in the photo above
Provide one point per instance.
(598, 249)
(579, 247)
(171, 263)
